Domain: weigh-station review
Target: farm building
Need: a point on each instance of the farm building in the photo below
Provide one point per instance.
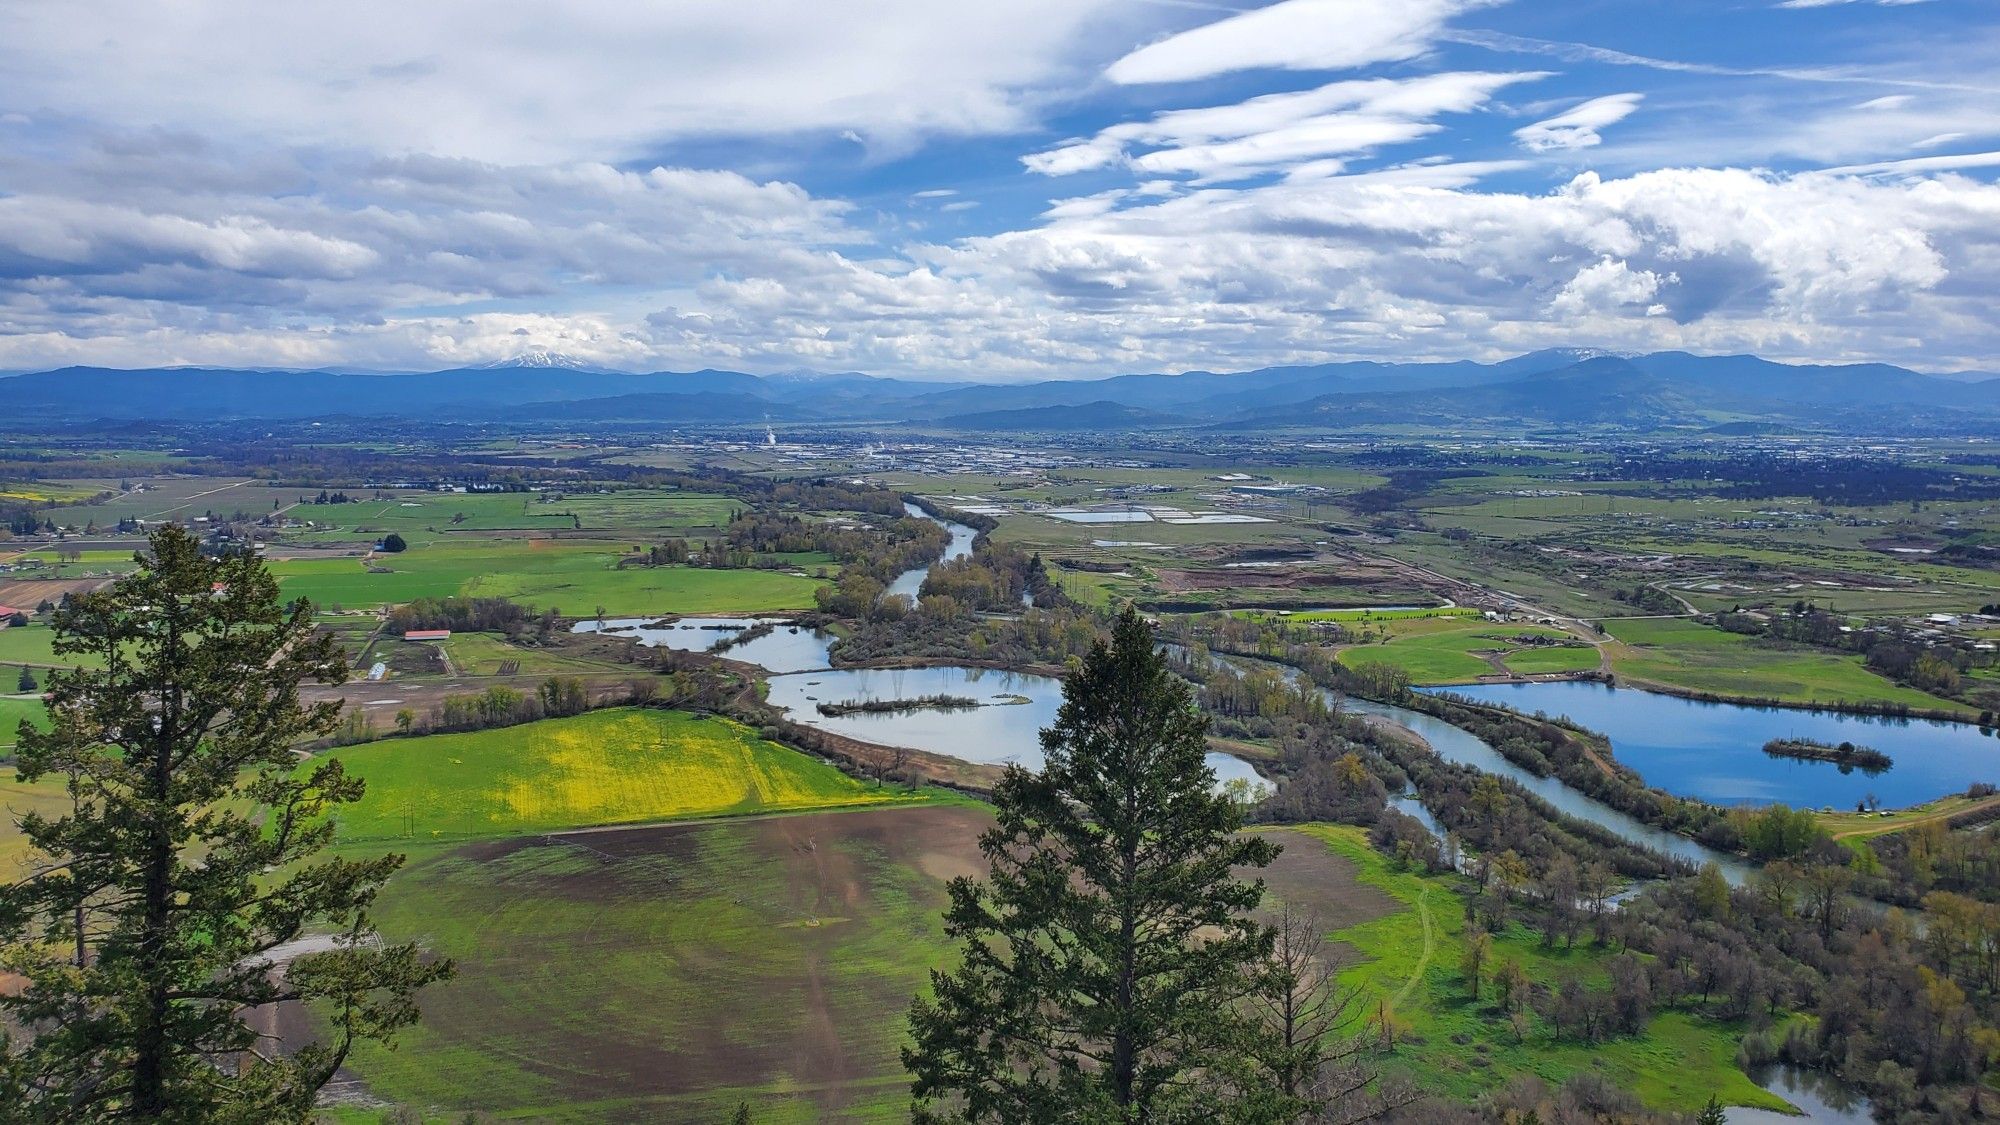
(7, 611)
(427, 635)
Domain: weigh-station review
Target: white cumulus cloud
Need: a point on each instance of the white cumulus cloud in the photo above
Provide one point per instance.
(585, 79)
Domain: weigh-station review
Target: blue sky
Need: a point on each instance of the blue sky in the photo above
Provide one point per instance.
(1041, 188)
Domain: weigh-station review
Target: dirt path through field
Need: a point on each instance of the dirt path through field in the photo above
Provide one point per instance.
(189, 502)
(1905, 825)
(1430, 949)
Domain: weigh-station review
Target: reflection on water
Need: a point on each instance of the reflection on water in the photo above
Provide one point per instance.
(1412, 805)
(1714, 751)
(1006, 731)
(787, 648)
(1455, 745)
(1821, 1098)
(912, 580)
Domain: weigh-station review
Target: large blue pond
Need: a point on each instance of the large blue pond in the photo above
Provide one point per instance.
(1714, 751)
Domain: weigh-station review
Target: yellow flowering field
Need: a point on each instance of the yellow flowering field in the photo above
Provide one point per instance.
(607, 767)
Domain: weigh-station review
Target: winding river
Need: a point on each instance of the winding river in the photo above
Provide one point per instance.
(1456, 745)
(912, 580)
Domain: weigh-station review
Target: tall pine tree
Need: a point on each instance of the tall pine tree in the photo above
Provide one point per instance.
(1107, 953)
(150, 929)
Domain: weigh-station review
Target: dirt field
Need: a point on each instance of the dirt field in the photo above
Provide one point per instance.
(1268, 578)
(381, 700)
(1307, 874)
(27, 595)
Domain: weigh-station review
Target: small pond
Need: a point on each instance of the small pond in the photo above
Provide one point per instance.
(1821, 1098)
(787, 648)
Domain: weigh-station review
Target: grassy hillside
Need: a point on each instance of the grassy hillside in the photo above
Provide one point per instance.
(1409, 959)
(665, 974)
(607, 767)
(595, 969)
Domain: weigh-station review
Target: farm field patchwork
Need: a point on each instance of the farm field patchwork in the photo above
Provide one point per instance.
(606, 767)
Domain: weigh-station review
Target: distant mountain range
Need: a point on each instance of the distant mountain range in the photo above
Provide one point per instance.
(1555, 388)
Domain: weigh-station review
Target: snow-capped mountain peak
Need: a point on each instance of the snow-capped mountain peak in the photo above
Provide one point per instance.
(543, 357)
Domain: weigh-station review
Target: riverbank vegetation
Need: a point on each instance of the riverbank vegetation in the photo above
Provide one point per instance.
(899, 706)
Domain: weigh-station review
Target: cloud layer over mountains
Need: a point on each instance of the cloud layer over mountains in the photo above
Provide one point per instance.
(1022, 189)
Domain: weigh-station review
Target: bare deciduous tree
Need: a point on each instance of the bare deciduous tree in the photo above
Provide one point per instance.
(1319, 1053)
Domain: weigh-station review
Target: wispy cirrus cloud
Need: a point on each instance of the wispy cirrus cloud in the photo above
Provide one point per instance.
(1578, 127)
(1279, 130)
(1797, 4)
(1293, 35)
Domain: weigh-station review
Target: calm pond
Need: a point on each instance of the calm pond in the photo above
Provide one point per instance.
(788, 648)
(1006, 728)
(1821, 1099)
(1714, 751)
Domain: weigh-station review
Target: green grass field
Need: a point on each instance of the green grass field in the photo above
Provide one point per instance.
(424, 518)
(579, 583)
(1440, 650)
(31, 644)
(574, 578)
(1542, 661)
(13, 709)
(484, 654)
(1456, 1047)
(607, 767)
(47, 565)
(48, 796)
(1681, 653)
(1374, 615)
